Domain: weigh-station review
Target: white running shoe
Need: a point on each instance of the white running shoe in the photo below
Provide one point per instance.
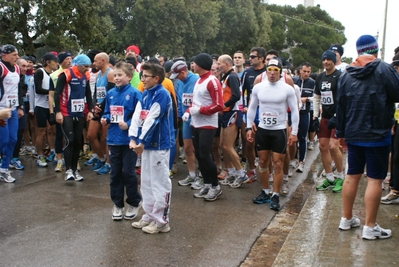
(346, 224)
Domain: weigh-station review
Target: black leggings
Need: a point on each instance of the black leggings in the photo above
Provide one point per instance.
(202, 141)
(72, 129)
(394, 183)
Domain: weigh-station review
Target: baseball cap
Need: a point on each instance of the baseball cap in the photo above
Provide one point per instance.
(176, 68)
(50, 57)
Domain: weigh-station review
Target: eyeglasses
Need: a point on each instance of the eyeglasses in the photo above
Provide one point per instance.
(143, 77)
(273, 69)
(253, 56)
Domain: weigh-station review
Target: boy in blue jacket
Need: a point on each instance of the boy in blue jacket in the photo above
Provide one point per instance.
(119, 108)
(152, 136)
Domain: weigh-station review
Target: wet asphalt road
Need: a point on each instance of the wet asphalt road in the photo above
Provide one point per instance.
(46, 221)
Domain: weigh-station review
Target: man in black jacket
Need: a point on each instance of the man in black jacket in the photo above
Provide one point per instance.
(365, 107)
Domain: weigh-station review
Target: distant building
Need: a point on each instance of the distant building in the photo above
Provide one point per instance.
(308, 3)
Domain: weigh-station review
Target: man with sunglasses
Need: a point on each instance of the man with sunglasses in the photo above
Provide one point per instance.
(257, 59)
(273, 97)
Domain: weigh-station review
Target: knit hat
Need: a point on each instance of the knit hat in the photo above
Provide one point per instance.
(366, 44)
(134, 48)
(49, 57)
(7, 49)
(54, 53)
(112, 60)
(177, 67)
(131, 60)
(92, 53)
(338, 48)
(168, 65)
(30, 58)
(63, 56)
(204, 61)
(81, 60)
(330, 55)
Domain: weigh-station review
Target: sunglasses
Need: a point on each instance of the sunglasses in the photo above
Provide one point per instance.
(273, 69)
(253, 56)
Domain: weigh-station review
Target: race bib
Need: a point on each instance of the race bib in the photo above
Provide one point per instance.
(303, 106)
(46, 98)
(327, 98)
(101, 92)
(143, 116)
(12, 101)
(269, 118)
(187, 99)
(77, 105)
(117, 114)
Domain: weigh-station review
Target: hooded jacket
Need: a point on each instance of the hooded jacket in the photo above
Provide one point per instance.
(366, 95)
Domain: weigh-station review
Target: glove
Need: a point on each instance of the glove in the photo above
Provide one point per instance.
(332, 122)
(316, 125)
(194, 111)
(52, 119)
(186, 116)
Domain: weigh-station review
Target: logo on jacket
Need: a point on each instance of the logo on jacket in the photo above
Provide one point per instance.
(127, 97)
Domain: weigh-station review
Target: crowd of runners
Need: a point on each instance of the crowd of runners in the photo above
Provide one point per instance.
(231, 120)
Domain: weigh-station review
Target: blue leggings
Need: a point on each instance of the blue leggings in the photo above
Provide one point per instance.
(8, 139)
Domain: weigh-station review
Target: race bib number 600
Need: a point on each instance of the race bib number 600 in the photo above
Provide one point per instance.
(77, 105)
(327, 98)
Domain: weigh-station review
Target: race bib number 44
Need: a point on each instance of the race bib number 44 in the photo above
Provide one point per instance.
(269, 118)
(187, 99)
(77, 105)
(117, 114)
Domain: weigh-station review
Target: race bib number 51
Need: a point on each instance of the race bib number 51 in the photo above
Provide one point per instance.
(117, 114)
(77, 105)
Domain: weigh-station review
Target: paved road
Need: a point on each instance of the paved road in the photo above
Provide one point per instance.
(46, 221)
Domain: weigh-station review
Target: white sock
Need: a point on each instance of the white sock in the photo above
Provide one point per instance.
(330, 177)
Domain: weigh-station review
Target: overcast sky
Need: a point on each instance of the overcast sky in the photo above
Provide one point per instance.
(360, 17)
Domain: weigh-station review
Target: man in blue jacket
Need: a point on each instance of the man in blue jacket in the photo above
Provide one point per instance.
(152, 136)
(365, 107)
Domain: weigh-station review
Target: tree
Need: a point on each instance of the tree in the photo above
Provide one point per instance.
(242, 26)
(308, 32)
(179, 27)
(58, 25)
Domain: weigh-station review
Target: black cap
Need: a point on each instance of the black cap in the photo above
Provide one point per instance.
(49, 57)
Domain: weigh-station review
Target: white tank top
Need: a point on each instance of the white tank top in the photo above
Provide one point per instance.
(9, 97)
(42, 100)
